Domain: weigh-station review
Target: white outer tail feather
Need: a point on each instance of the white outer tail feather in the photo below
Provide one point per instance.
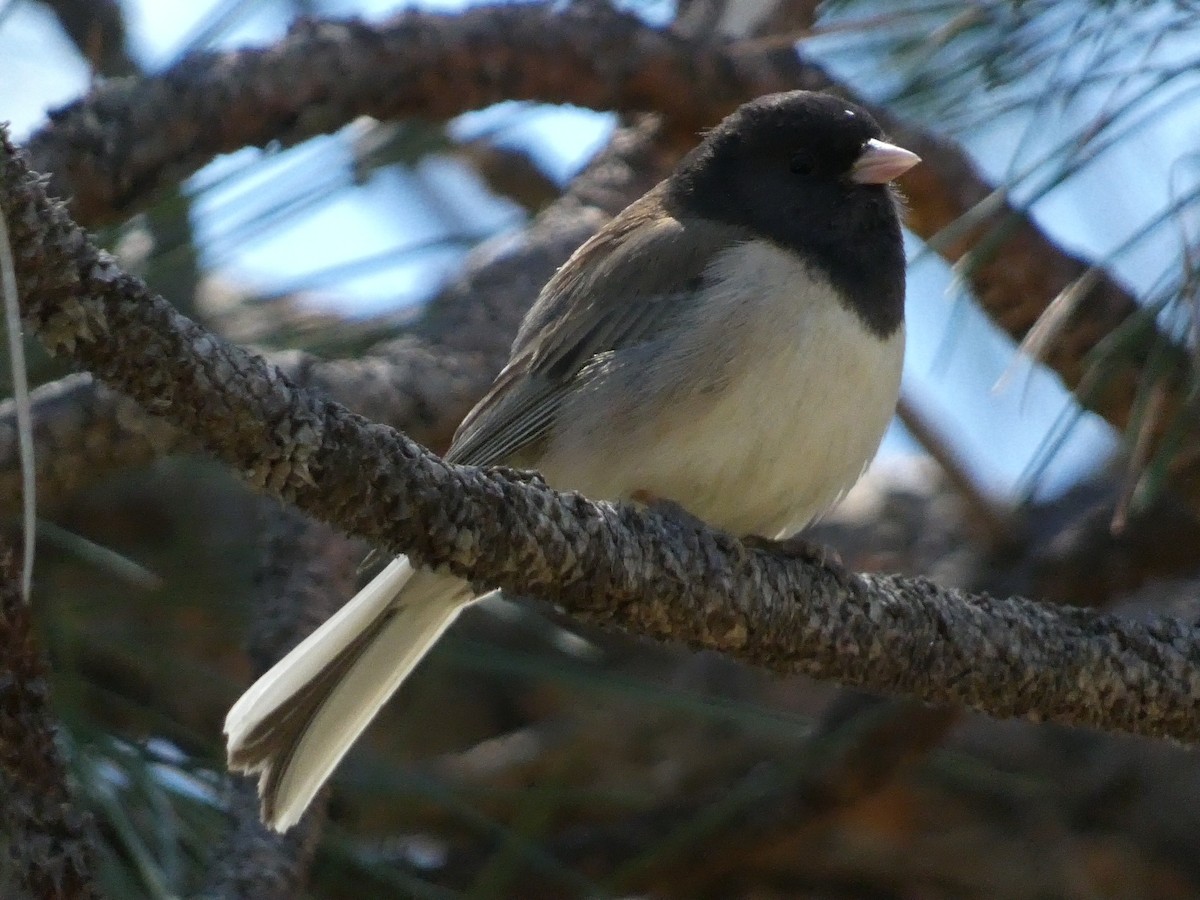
(427, 607)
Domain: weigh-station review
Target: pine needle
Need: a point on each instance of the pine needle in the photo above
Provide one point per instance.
(20, 381)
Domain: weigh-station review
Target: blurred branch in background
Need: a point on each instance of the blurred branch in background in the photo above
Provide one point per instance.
(48, 842)
(422, 65)
(986, 516)
(97, 28)
(508, 171)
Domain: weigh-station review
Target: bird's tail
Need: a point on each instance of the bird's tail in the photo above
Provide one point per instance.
(294, 724)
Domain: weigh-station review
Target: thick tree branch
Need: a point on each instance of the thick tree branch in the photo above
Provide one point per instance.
(609, 564)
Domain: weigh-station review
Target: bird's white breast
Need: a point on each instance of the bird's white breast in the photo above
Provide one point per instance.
(755, 417)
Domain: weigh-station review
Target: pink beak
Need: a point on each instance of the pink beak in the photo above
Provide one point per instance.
(880, 162)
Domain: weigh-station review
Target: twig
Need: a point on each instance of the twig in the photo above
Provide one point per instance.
(1139, 456)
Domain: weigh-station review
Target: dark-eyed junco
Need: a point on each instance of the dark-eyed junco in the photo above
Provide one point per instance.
(731, 343)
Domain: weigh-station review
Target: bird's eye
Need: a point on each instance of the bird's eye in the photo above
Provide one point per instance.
(802, 163)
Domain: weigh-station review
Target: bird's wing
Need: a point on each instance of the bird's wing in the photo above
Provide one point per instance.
(618, 290)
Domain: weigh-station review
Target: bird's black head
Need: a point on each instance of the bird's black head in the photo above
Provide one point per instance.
(811, 173)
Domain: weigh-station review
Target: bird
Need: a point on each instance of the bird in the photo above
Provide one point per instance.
(730, 344)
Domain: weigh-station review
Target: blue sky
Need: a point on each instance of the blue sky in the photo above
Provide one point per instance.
(956, 360)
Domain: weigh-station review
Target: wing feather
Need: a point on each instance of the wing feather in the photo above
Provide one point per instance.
(618, 290)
